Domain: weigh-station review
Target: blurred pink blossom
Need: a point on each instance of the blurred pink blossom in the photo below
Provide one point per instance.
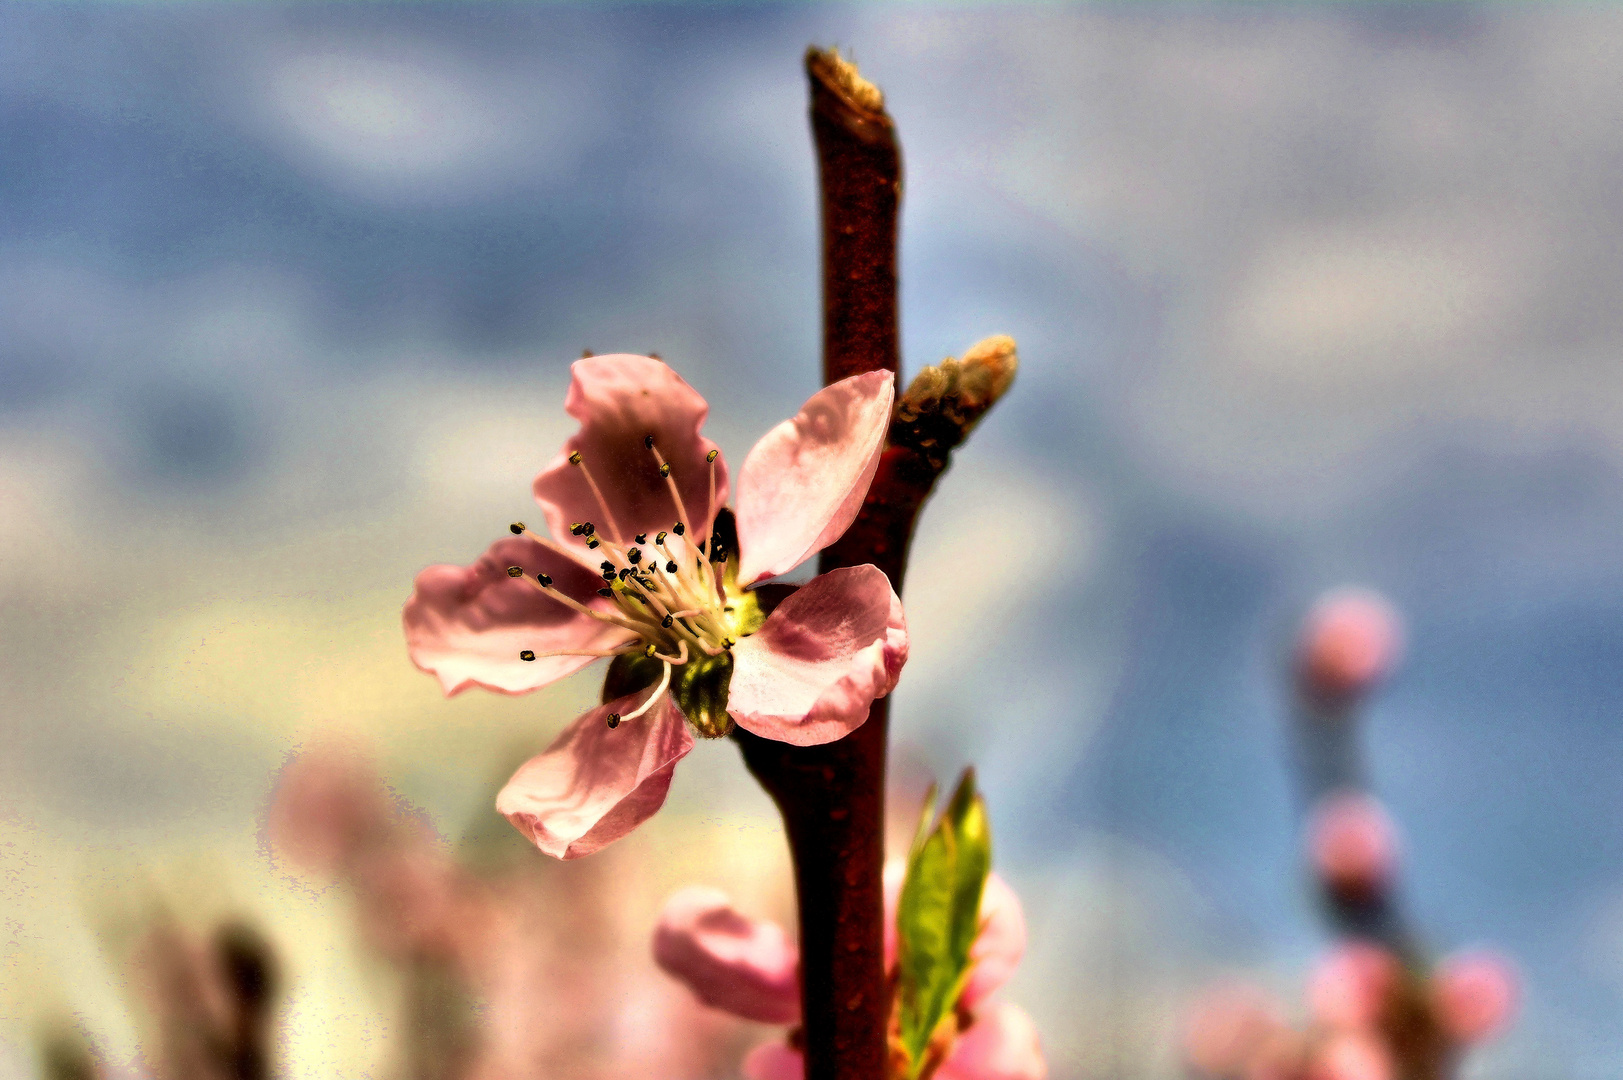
(1475, 995)
(739, 964)
(1351, 640)
(642, 582)
(1353, 844)
(1350, 986)
(1350, 1056)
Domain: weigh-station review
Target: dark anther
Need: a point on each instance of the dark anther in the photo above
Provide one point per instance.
(608, 573)
(574, 457)
(647, 442)
(642, 538)
(679, 528)
(605, 565)
(659, 541)
(625, 572)
(665, 470)
(670, 567)
(577, 528)
(666, 622)
(649, 650)
(515, 571)
(526, 655)
(517, 528)
(592, 542)
(635, 555)
(587, 528)
(544, 579)
(711, 456)
(607, 594)
(614, 720)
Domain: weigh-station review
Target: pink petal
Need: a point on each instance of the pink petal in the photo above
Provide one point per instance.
(745, 966)
(1350, 987)
(619, 401)
(468, 624)
(1001, 1044)
(773, 1061)
(593, 784)
(1000, 944)
(808, 675)
(804, 482)
(1475, 995)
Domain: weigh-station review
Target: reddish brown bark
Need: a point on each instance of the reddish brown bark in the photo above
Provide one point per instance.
(833, 797)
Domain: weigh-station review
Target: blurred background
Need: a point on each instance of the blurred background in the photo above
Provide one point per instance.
(1304, 296)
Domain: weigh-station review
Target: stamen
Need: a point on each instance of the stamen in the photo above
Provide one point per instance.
(527, 655)
(515, 571)
(711, 456)
(607, 594)
(517, 528)
(634, 556)
(544, 579)
(665, 474)
(666, 622)
(659, 541)
(650, 649)
(679, 528)
(625, 572)
(642, 538)
(587, 528)
(592, 542)
(577, 528)
(647, 442)
(597, 493)
(601, 616)
(710, 505)
(659, 692)
(613, 720)
(670, 567)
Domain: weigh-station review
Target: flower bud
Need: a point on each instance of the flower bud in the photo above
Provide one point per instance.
(1353, 846)
(1474, 995)
(1351, 640)
(1350, 988)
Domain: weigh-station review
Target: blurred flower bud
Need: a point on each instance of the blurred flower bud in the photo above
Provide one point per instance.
(1351, 640)
(1350, 1056)
(1227, 1028)
(1349, 989)
(328, 804)
(1475, 995)
(745, 966)
(1353, 845)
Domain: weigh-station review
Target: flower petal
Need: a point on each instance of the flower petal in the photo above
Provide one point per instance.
(1001, 1044)
(773, 1061)
(1000, 944)
(467, 624)
(808, 675)
(620, 400)
(803, 483)
(745, 966)
(595, 784)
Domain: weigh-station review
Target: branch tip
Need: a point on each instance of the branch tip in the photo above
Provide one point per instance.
(842, 75)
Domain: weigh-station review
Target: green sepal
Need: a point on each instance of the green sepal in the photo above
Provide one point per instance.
(939, 914)
(700, 689)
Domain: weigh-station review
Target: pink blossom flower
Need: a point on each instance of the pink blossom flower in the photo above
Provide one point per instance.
(1350, 987)
(1353, 844)
(640, 568)
(1352, 639)
(1474, 995)
(749, 967)
(1350, 1056)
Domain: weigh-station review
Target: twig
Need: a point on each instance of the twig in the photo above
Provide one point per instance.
(832, 797)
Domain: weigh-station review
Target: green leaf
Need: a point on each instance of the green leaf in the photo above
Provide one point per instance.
(939, 914)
